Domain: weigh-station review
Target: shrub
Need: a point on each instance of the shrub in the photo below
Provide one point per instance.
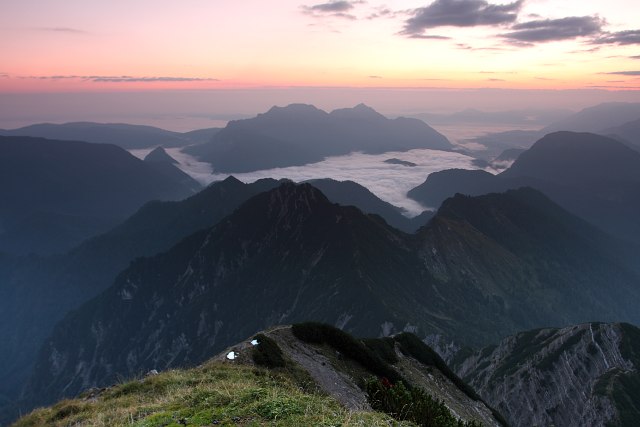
(384, 348)
(319, 333)
(413, 405)
(267, 353)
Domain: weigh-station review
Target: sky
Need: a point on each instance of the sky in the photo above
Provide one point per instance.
(256, 53)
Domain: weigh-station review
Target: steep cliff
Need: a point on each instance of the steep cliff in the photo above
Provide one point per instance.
(584, 375)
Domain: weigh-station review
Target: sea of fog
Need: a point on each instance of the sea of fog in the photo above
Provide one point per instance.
(390, 182)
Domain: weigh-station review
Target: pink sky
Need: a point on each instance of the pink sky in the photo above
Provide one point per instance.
(88, 46)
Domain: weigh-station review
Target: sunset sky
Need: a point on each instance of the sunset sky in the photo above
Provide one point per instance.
(79, 46)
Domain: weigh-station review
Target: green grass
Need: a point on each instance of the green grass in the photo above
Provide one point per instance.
(217, 393)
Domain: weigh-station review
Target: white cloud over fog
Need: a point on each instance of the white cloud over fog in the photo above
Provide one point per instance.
(390, 182)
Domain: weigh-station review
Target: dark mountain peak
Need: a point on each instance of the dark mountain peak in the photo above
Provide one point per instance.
(360, 111)
(440, 185)
(231, 180)
(579, 158)
(460, 204)
(293, 111)
(288, 199)
(159, 155)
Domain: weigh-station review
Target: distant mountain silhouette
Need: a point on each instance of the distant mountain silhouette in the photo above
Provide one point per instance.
(480, 269)
(628, 133)
(349, 193)
(595, 177)
(441, 185)
(602, 119)
(574, 158)
(595, 119)
(159, 155)
(299, 134)
(123, 135)
(56, 193)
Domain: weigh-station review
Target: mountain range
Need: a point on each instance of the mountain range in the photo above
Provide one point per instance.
(510, 262)
(299, 134)
(57, 193)
(51, 286)
(608, 119)
(123, 135)
(592, 176)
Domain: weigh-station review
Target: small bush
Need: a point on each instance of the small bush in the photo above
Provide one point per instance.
(318, 333)
(413, 405)
(384, 348)
(267, 353)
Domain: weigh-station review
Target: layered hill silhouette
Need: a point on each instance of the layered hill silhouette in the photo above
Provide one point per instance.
(123, 135)
(604, 119)
(628, 133)
(481, 269)
(299, 134)
(51, 286)
(595, 177)
(57, 193)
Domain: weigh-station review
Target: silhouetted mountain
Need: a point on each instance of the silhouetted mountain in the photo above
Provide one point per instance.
(577, 159)
(595, 177)
(123, 135)
(91, 267)
(628, 133)
(349, 193)
(441, 185)
(159, 155)
(481, 269)
(496, 143)
(57, 193)
(52, 286)
(595, 119)
(299, 134)
(583, 375)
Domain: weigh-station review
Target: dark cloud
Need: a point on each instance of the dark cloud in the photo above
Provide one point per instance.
(428, 37)
(620, 37)
(635, 57)
(375, 77)
(150, 79)
(624, 73)
(460, 13)
(496, 80)
(64, 30)
(546, 30)
(338, 9)
(382, 12)
(121, 79)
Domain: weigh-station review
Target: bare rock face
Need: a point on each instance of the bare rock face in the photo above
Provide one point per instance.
(575, 376)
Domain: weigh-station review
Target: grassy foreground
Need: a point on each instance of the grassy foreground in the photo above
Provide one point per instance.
(216, 393)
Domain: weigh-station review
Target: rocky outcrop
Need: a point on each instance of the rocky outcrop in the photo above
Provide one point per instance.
(584, 375)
